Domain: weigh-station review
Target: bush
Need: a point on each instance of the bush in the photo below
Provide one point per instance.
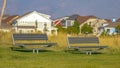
(60, 29)
(74, 29)
(5, 38)
(104, 33)
(86, 29)
(118, 27)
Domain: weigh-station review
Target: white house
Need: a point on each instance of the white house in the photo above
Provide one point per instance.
(32, 22)
(65, 22)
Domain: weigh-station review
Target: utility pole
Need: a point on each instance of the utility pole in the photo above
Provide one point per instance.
(2, 10)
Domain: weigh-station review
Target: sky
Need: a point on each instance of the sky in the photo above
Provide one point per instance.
(59, 8)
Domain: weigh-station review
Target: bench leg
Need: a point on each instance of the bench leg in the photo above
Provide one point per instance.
(87, 53)
(37, 51)
(90, 52)
(33, 51)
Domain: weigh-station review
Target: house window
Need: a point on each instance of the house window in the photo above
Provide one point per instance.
(69, 23)
(63, 23)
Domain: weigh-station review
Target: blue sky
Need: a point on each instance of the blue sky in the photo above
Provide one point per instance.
(59, 8)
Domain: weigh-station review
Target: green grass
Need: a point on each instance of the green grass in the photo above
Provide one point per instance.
(110, 58)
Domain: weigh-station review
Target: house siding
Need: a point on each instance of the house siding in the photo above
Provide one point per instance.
(110, 30)
(95, 23)
(35, 19)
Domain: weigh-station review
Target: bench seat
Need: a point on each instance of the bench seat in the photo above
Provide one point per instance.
(33, 44)
(100, 47)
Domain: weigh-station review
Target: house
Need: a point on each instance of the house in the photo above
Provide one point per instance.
(10, 19)
(6, 23)
(34, 22)
(64, 22)
(5, 27)
(96, 23)
(69, 20)
(58, 22)
(67, 23)
(93, 21)
(111, 28)
(82, 19)
(99, 25)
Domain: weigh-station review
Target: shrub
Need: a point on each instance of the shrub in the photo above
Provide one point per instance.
(71, 29)
(118, 27)
(74, 29)
(86, 29)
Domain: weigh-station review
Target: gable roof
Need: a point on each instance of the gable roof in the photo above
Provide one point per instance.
(113, 24)
(82, 19)
(10, 19)
(108, 20)
(59, 21)
(43, 15)
(6, 22)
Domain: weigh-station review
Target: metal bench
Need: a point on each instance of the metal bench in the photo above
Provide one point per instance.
(88, 48)
(19, 40)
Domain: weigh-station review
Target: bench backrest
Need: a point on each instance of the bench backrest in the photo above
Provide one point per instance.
(29, 37)
(80, 40)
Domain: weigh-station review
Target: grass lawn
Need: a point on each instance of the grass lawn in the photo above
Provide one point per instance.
(110, 58)
(58, 59)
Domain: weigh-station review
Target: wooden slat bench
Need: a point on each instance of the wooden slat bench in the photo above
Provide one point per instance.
(87, 48)
(33, 38)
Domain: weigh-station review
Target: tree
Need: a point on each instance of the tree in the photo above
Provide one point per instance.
(3, 10)
(71, 29)
(74, 29)
(60, 29)
(86, 29)
(118, 27)
(104, 33)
